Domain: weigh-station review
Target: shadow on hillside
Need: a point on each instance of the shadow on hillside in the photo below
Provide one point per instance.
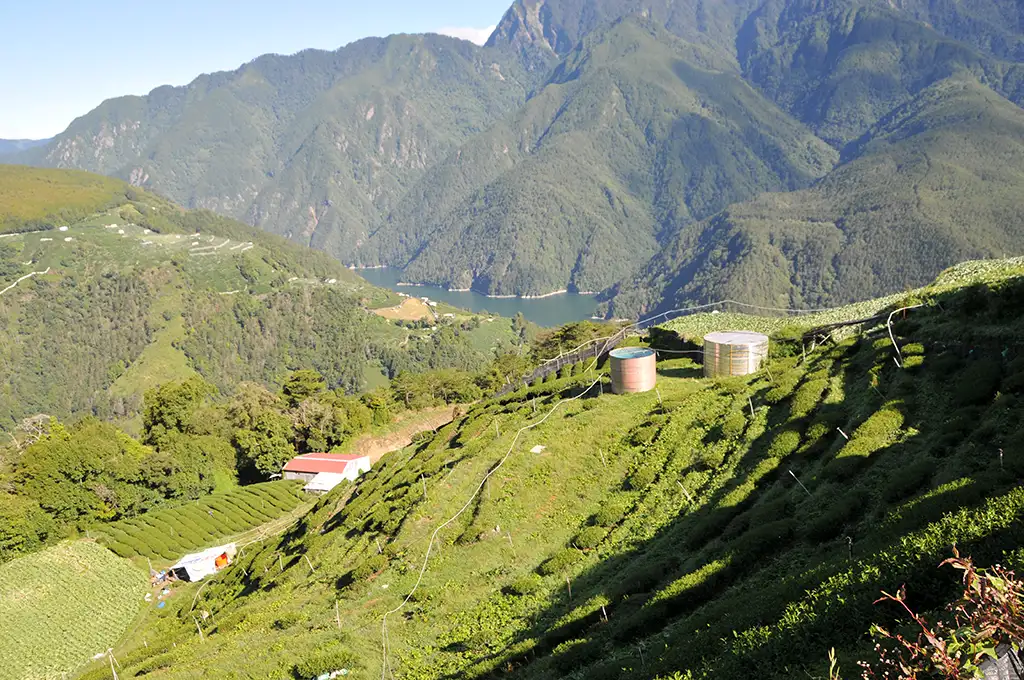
(724, 562)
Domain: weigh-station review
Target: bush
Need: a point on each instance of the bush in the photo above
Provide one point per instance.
(712, 457)
(560, 561)
(807, 397)
(913, 349)
(875, 433)
(764, 540)
(785, 443)
(735, 424)
(590, 537)
(369, 567)
(837, 514)
(908, 479)
(978, 381)
(325, 660)
(641, 478)
(611, 513)
(524, 585)
(784, 386)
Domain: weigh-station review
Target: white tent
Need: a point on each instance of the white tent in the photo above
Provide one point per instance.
(197, 566)
(325, 481)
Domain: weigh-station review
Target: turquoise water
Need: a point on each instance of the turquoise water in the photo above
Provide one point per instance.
(632, 353)
(550, 311)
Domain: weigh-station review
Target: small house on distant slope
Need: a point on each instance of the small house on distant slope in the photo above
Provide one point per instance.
(324, 471)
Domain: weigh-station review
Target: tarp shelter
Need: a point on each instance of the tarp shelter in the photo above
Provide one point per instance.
(324, 482)
(197, 566)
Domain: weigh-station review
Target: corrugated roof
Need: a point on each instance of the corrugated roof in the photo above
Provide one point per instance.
(321, 462)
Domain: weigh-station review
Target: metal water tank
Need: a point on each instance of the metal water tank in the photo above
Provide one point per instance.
(729, 353)
(634, 369)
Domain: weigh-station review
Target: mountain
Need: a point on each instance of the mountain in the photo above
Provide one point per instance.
(718, 529)
(934, 182)
(12, 146)
(579, 149)
(107, 291)
(313, 146)
(635, 130)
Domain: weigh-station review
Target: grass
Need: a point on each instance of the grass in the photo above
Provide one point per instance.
(61, 606)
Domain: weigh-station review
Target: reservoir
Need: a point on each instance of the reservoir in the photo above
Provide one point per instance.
(549, 311)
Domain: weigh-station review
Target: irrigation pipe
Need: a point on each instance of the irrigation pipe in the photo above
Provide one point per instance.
(426, 557)
(892, 337)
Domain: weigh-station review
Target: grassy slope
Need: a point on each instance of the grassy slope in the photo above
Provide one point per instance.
(61, 606)
(753, 577)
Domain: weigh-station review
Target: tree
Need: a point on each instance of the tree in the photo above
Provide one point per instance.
(24, 526)
(170, 407)
(263, 439)
(302, 385)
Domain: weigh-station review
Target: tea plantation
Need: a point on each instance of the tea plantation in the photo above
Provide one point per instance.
(712, 529)
(169, 533)
(61, 606)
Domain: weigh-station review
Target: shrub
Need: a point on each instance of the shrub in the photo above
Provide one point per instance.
(764, 540)
(873, 434)
(525, 585)
(807, 397)
(907, 479)
(369, 567)
(325, 660)
(641, 478)
(785, 443)
(836, 515)
(590, 537)
(560, 561)
(734, 424)
(913, 349)
(784, 386)
(978, 381)
(711, 457)
(611, 513)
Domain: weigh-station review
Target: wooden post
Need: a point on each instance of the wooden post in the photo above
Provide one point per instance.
(380, 550)
(201, 637)
(280, 562)
(661, 404)
(337, 614)
(604, 613)
(751, 402)
(602, 457)
(688, 496)
(845, 436)
(311, 569)
(512, 545)
(1001, 459)
(113, 671)
(424, 481)
(800, 483)
(569, 586)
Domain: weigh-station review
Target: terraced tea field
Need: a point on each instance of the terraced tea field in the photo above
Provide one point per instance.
(168, 534)
(61, 606)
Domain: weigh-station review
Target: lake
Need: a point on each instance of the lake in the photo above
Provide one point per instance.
(550, 311)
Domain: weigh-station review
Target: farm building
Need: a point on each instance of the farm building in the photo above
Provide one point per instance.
(197, 566)
(324, 471)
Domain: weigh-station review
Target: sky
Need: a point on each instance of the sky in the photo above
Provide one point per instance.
(61, 58)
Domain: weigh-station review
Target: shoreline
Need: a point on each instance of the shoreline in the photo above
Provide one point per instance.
(409, 284)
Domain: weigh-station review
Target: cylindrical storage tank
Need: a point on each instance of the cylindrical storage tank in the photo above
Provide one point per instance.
(634, 369)
(731, 353)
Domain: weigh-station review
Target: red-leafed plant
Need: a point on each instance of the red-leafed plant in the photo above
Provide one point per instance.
(990, 614)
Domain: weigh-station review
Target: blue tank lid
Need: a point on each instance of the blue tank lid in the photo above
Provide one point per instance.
(632, 353)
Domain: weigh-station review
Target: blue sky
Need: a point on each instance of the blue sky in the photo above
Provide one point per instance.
(60, 58)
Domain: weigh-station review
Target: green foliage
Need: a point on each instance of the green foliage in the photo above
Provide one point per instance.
(331, 657)
(590, 537)
(302, 385)
(370, 566)
(526, 584)
(611, 513)
(560, 561)
(784, 443)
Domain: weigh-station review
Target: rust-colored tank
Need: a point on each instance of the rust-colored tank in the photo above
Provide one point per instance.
(634, 369)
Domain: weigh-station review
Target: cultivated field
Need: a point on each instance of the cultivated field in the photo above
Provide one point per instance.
(61, 606)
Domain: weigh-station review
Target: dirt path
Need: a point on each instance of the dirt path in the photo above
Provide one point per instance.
(375, 446)
(411, 309)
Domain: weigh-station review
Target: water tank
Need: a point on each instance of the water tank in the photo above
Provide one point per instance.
(734, 353)
(634, 369)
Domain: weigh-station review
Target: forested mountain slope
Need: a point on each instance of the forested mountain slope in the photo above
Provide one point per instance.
(636, 130)
(937, 180)
(717, 529)
(586, 138)
(314, 146)
(108, 291)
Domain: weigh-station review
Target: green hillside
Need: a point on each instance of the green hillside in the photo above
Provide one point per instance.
(63, 605)
(919, 192)
(634, 131)
(137, 292)
(735, 528)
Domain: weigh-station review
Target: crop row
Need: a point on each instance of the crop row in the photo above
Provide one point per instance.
(169, 533)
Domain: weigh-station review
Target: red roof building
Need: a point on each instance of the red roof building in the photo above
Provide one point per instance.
(309, 465)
